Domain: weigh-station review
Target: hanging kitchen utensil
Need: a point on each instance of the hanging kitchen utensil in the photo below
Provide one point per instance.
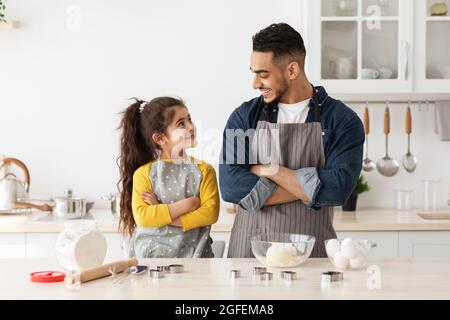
(387, 166)
(409, 160)
(368, 164)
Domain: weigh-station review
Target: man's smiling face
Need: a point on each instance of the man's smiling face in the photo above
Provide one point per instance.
(269, 78)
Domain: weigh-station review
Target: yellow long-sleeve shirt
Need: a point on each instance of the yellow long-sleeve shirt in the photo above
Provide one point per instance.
(146, 215)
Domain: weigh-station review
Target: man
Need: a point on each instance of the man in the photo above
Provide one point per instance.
(291, 154)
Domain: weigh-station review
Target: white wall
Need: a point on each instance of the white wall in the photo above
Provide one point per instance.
(433, 155)
(62, 87)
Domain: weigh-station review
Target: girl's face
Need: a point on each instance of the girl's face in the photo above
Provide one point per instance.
(180, 134)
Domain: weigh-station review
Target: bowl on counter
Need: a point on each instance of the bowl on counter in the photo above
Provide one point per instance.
(348, 253)
(282, 250)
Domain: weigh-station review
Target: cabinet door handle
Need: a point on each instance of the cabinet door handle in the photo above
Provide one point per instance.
(406, 64)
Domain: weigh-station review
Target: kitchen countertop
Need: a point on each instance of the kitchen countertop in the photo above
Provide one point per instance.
(209, 279)
(362, 220)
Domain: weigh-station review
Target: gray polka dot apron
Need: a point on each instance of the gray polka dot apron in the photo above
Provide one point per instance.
(295, 146)
(172, 182)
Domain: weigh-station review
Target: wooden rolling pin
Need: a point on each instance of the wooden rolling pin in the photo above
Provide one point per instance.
(105, 269)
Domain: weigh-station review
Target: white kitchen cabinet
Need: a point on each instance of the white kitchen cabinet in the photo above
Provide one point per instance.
(432, 49)
(387, 242)
(349, 37)
(424, 244)
(12, 245)
(41, 245)
(390, 244)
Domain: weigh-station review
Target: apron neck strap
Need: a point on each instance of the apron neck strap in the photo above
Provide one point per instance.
(316, 105)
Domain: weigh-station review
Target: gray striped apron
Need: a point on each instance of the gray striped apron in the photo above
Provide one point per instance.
(295, 146)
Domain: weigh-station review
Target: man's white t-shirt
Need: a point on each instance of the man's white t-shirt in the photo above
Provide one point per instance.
(293, 113)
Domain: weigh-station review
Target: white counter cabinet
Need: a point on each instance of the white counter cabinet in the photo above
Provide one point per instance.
(12, 245)
(424, 244)
(396, 234)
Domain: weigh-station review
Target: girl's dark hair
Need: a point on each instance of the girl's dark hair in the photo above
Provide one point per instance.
(281, 39)
(139, 122)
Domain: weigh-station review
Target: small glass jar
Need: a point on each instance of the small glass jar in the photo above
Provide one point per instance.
(80, 245)
(430, 193)
(403, 199)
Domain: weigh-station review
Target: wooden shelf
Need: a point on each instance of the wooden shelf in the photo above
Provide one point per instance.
(391, 97)
(438, 18)
(368, 18)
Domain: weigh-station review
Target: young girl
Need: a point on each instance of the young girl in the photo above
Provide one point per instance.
(168, 199)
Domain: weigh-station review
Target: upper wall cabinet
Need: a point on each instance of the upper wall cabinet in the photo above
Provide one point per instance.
(361, 45)
(432, 49)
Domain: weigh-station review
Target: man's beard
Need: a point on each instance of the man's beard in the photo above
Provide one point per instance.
(274, 103)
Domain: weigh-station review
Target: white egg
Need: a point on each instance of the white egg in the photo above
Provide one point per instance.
(356, 263)
(332, 247)
(340, 260)
(348, 242)
(349, 248)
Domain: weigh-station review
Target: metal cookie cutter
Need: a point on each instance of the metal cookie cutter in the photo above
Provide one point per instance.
(156, 274)
(139, 269)
(332, 276)
(288, 275)
(266, 276)
(162, 268)
(258, 270)
(176, 268)
(234, 274)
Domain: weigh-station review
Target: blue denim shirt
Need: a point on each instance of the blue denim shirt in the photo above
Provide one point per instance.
(343, 140)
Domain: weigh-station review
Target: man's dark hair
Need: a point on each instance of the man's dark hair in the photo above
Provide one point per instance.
(281, 39)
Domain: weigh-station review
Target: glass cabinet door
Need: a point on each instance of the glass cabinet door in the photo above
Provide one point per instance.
(437, 40)
(433, 51)
(367, 41)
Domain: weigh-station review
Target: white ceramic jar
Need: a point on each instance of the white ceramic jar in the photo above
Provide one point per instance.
(80, 245)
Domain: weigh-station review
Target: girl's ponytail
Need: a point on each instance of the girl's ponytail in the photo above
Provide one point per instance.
(134, 152)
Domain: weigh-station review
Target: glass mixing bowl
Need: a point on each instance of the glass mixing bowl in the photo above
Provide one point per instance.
(349, 254)
(282, 250)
